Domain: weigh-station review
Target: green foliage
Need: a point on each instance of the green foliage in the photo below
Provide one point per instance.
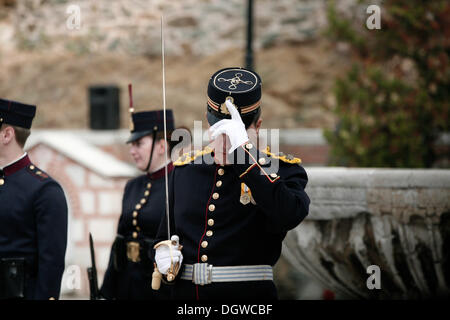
(394, 102)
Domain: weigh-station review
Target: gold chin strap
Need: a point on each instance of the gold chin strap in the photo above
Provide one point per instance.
(173, 269)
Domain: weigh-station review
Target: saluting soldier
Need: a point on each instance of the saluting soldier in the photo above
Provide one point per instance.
(231, 207)
(33, 214)
(130, 267)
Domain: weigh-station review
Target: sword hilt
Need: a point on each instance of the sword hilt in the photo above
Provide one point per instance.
(174, 267)
(173, 270)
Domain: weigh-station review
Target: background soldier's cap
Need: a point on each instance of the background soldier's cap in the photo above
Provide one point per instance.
(16, 113)
(145, 122)
(244, 88)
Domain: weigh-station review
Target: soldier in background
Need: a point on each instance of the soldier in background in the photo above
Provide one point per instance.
(130, 267)
(33, 214)
(229, 206)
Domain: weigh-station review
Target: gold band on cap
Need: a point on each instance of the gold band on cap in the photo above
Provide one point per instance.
(216, 107)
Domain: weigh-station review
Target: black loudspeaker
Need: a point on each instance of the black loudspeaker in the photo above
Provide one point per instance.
(104, 105)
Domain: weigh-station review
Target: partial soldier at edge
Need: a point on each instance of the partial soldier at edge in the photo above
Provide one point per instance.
(33, 215)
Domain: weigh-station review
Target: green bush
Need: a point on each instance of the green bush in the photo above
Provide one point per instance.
(394, 102)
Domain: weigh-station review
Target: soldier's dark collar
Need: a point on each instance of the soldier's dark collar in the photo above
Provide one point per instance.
(16, 166)
(160, 173)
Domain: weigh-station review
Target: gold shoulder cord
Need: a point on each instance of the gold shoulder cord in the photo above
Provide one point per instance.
(188, 157)
(284, 158)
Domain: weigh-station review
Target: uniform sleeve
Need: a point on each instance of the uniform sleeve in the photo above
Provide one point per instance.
(51, 222)
(278, 188)
(108, 289)
(120, 225)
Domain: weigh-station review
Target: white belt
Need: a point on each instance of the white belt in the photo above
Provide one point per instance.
(203, 273)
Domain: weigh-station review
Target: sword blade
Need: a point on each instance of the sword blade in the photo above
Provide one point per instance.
(165, 126)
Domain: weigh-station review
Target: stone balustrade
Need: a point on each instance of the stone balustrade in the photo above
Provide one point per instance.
(396, 219)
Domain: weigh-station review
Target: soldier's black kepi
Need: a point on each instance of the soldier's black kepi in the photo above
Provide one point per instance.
(147, 122)
(242, 86)
(16, 113)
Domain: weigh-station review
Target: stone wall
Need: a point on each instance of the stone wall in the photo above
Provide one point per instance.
(45, 63)
(396, 219)
(201, 27)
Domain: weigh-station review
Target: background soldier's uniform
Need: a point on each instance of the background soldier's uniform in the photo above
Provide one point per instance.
(143, 206)
(233, 215)
(33, 222)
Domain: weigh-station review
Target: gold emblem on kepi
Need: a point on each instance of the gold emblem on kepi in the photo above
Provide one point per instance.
(223, 106)
(235, 80)
(224, 109)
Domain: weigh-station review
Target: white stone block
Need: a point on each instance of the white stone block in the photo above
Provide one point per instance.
(77, 230)
(110, 202)
(87, 202)
(102, 256)
(97, 181)
(42, 156)
(76, 174)
(82, 256)
(102, 229)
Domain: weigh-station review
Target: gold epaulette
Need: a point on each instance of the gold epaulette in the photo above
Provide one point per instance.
(285, 158)
(190, 156)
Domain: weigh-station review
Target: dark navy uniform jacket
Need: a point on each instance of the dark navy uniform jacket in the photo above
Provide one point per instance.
(216, 223)
(143, 207)
(33, 225)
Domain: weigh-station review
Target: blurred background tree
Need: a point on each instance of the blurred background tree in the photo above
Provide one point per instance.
(393, 104)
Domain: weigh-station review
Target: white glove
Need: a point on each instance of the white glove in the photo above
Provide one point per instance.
(234, 128)
(165, 255)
